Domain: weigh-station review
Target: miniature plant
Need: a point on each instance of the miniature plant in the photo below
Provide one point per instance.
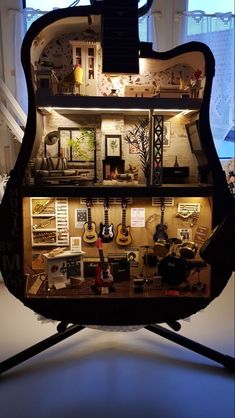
(113, 144)
(139, 138)
(83, 145)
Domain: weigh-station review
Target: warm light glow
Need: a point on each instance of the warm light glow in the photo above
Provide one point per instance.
(118, 110)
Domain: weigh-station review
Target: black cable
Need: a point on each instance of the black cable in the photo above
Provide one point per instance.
(75, 3)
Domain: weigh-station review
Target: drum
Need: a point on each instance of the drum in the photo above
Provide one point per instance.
(161, 248)
(188, 249)
(174, 270)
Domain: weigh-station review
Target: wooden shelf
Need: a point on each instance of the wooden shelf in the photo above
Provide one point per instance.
(91, 102)
(73, 190)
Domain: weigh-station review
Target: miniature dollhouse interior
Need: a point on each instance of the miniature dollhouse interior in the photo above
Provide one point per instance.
(117, 193)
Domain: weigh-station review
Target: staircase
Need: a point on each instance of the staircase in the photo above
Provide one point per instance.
(14, 116)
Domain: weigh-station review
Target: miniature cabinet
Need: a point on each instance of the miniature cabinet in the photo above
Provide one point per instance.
(84, 55)
(64, 268)
(49, 222)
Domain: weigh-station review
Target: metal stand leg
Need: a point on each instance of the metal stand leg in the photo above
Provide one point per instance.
(227, 361)
(63, 332)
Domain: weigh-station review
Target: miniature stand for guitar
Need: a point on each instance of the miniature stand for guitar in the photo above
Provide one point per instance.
(65, 331)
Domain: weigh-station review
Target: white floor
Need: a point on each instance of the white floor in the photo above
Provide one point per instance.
(116, 374)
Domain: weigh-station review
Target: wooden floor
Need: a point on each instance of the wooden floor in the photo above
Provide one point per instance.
(124, 289)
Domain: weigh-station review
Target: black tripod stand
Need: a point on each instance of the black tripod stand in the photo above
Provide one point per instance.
(64, 330)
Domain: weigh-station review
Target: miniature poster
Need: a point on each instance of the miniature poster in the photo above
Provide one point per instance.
(80, 217)
(185, 234)
(138, 217)
(200, 234)
(38, 261)
(133, 256)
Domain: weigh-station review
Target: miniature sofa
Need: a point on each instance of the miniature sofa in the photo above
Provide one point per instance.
(53, 170)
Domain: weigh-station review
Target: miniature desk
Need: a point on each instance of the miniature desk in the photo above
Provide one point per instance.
(63, 266)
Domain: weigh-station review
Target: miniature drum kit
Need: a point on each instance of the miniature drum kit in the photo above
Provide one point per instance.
(174, 254)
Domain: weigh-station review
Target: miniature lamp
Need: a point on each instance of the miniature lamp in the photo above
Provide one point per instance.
(75, 77)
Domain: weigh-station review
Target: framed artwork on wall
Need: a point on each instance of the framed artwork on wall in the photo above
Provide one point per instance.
(193, 137)
(134, 148)
(113, 146)
(166, 134)
(75, 244)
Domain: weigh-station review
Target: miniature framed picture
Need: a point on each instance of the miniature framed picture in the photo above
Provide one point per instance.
(166, 134)
(185, 234)
(193, 137)
(113, 146)
(134, 148)
(75, 244)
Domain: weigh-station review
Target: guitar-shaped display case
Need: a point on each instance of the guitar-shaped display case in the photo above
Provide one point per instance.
(45, 97)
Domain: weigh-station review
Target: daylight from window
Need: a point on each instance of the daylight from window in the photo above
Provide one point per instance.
(52, 4)
(211, 6)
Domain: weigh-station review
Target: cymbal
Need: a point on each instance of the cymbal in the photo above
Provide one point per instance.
(175, 241)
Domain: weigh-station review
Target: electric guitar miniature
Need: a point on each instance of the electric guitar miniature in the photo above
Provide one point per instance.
(123, 231)
(103, 276)
(161, 228)
(89, 233)
(106, 230)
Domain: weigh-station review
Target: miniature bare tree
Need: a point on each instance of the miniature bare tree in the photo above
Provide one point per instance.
(138, 137)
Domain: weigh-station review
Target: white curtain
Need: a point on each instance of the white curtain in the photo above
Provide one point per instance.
(22, 21)
(217, 31)
(20, 87)
(166, 24)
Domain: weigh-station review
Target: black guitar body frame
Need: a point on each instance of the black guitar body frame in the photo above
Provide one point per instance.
(110, 311)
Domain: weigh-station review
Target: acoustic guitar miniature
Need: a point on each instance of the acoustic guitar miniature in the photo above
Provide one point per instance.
(89, 233)
(123, 236)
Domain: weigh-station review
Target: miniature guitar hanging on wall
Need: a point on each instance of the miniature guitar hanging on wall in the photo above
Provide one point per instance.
(161, 228)
(123, 231)
(106, 230)
(103, 275)
(89, 234)
(160, 237)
